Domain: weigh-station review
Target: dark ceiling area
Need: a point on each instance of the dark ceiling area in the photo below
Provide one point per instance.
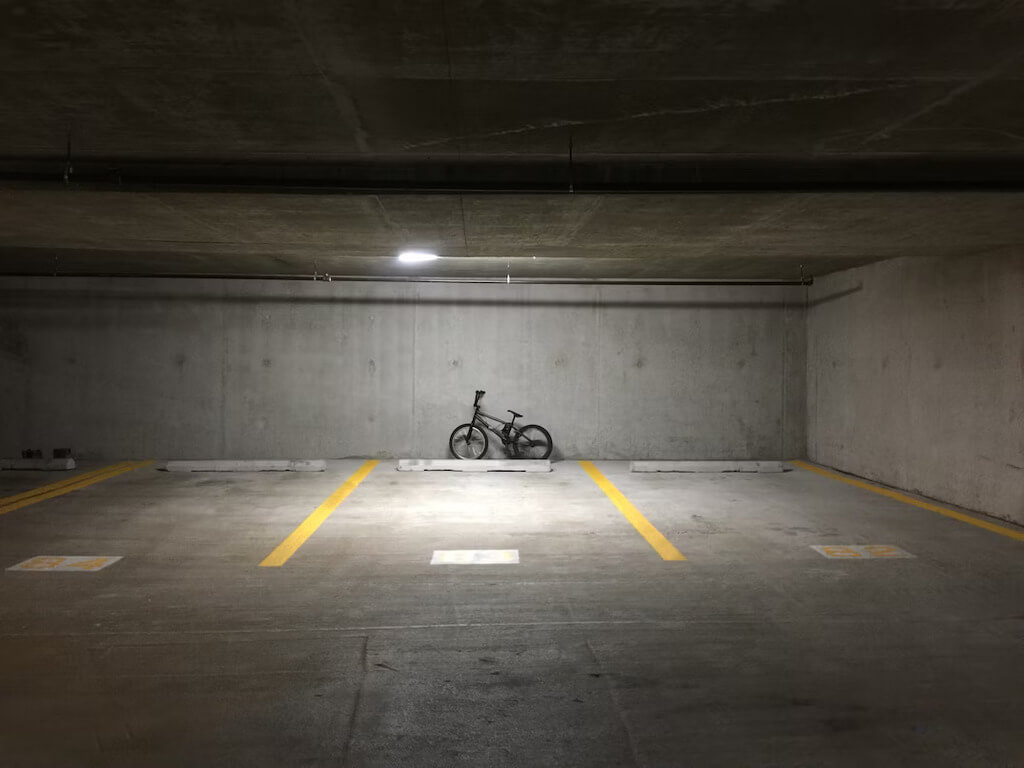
(647, 140)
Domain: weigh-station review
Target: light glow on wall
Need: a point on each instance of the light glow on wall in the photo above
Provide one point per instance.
(414, 257)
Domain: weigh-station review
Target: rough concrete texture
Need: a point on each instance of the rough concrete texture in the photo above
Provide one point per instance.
(322, 79)
(478, 465)
(916, 378)
(707, 466)
(250, 465)
(248, 369)
(469, 82)
(592, 652)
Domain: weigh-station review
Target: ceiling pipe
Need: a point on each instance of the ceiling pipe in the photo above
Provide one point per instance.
(318, 277)
(525, 174)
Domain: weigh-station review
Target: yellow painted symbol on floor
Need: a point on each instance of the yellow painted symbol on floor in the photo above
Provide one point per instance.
(475, 557)
(72, 563)
(860, 551)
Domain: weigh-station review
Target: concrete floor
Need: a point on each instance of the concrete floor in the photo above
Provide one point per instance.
(755, 651)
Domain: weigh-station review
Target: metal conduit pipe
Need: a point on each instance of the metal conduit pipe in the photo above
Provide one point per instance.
(421, 279)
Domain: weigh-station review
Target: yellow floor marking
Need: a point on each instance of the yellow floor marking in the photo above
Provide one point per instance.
(308, 527)
(11, 503)
(59, 484)
(963, 518)
(643, 526)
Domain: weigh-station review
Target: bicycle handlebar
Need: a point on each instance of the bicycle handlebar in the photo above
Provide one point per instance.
(479, 393)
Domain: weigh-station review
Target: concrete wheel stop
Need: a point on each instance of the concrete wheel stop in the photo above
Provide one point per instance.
(474, 465)
(32, 458)
(707, 466)
(245, 465)
(49, 465)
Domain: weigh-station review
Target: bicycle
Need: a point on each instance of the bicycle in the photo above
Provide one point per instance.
(469, 441)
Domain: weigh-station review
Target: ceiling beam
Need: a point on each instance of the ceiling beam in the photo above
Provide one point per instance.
(526, 174)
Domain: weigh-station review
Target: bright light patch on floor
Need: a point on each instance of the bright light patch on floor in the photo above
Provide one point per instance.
(853, 551)
(475, 557)
(81, 563)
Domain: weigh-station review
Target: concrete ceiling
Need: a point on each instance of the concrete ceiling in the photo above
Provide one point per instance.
(410, 84)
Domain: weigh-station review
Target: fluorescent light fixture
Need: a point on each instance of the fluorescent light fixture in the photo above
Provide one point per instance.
(413, 257)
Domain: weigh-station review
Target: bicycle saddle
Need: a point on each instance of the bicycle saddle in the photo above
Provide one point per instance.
(516, 415)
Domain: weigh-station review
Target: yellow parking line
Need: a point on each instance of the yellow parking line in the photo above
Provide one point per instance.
(11, 503)
(1000, 529)
(59, 484)
(643, 526)
(308, 527)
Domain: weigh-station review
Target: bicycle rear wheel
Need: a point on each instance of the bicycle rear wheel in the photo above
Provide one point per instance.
(532, 442)
(467, 442)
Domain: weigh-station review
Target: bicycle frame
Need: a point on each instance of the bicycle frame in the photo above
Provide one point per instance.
(506, 438)
(509, 431)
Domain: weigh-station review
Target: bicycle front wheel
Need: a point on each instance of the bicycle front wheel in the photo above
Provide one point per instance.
(532, 442)
(467, 442)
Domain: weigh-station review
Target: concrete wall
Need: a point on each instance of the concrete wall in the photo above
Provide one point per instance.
(916, 378)
(165, 368)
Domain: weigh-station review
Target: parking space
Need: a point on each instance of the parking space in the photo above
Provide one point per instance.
(356, 650)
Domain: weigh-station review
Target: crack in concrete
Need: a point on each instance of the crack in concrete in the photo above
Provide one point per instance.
(616, 704)
(742, 231)
(234, 237)
(390, 223)
(346, 751)
(825, 145)
(951, 96)
(588, 208)
(967, 129)
(718, 106)
(344, 104)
